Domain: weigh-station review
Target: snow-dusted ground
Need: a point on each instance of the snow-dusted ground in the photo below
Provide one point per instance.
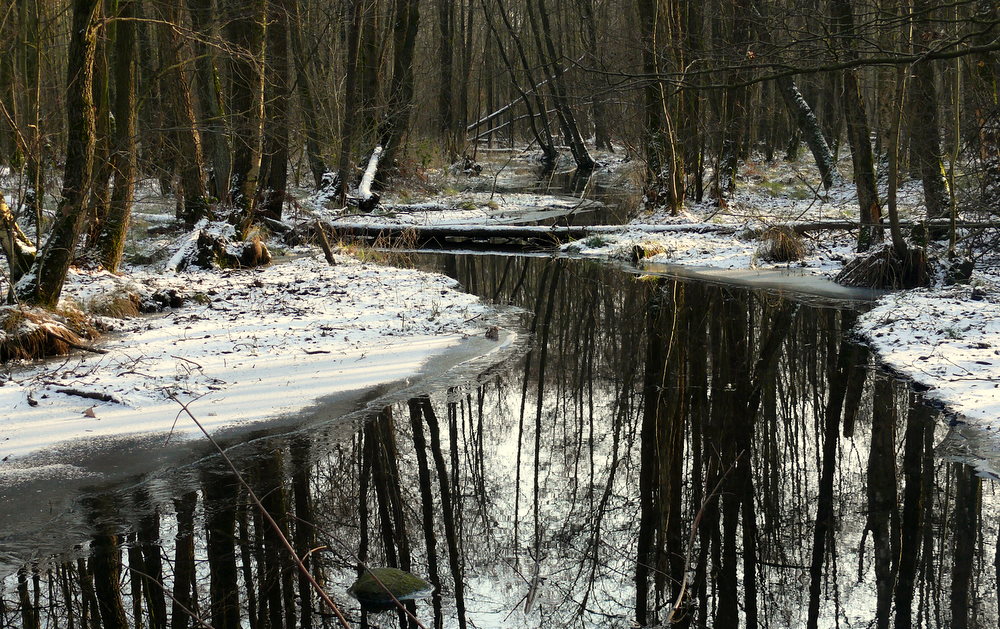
(250, 346)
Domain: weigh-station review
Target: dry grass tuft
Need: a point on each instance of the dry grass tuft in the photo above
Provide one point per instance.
(120, 306)
(781, 244)
(31, 333)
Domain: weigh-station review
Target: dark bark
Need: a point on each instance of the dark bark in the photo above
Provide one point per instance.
(212, 117)
(110, 242)
(243, 30)
(274, 156)
(180, 118)
(397, 119)
(351, 97)
(810, 129)
(550, 57)
(537, 119)
(42, 285)
(307, 101)
(597, 87)
(664, 172)
(858, 130)
(446, 53)
(925, 147)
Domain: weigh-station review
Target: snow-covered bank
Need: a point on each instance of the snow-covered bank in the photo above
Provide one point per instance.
(947, 340)
(249, 346)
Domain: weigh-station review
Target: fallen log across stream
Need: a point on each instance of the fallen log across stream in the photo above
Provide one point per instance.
(540, 236)
(526, 235)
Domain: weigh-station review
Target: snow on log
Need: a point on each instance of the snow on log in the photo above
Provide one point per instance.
(368, 198)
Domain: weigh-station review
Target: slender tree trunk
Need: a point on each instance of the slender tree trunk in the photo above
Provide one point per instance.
(214, 137)
(180, 115)
(446, 53)
(351, 97)
(243, 29)
(808, 125)
(537, 118)
(664, 172)
(100, 188)
(308, 113)
(858, 130)
(396, 122)
(110, 241)
(925, 124)
(550, 57)
(598, 87)
(43, 284)
(274, 158)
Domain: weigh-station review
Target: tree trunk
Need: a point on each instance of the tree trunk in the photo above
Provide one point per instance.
(802, 113)
(243, 30)
(397, 119)
(924, 128)
(274, 158)
(550, 57)
(214, 137)
(858, 131)
(42, 285)
(180, 115)
(446, 52)
(307, 102)
(16, 245)
(664, 171)
(100, 184)
(110, 242)
(537, 120)
(597, 87)
(351, 97)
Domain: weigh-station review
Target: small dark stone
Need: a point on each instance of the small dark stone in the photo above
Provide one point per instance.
(376, 588)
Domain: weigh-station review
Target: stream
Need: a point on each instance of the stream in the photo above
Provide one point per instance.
(658, 449)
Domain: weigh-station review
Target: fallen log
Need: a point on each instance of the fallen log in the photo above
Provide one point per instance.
(529, 233)
(554, 235)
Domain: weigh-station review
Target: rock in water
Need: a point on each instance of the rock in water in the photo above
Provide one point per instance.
(373, 588)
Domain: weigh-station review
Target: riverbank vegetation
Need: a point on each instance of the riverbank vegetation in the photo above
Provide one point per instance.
(226, 104)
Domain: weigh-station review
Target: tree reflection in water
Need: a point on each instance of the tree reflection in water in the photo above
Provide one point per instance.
(665, 452)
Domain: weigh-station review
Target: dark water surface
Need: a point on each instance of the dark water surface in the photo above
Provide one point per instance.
(660, 441)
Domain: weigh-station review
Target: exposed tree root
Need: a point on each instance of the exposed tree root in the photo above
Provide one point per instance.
(883, 268)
